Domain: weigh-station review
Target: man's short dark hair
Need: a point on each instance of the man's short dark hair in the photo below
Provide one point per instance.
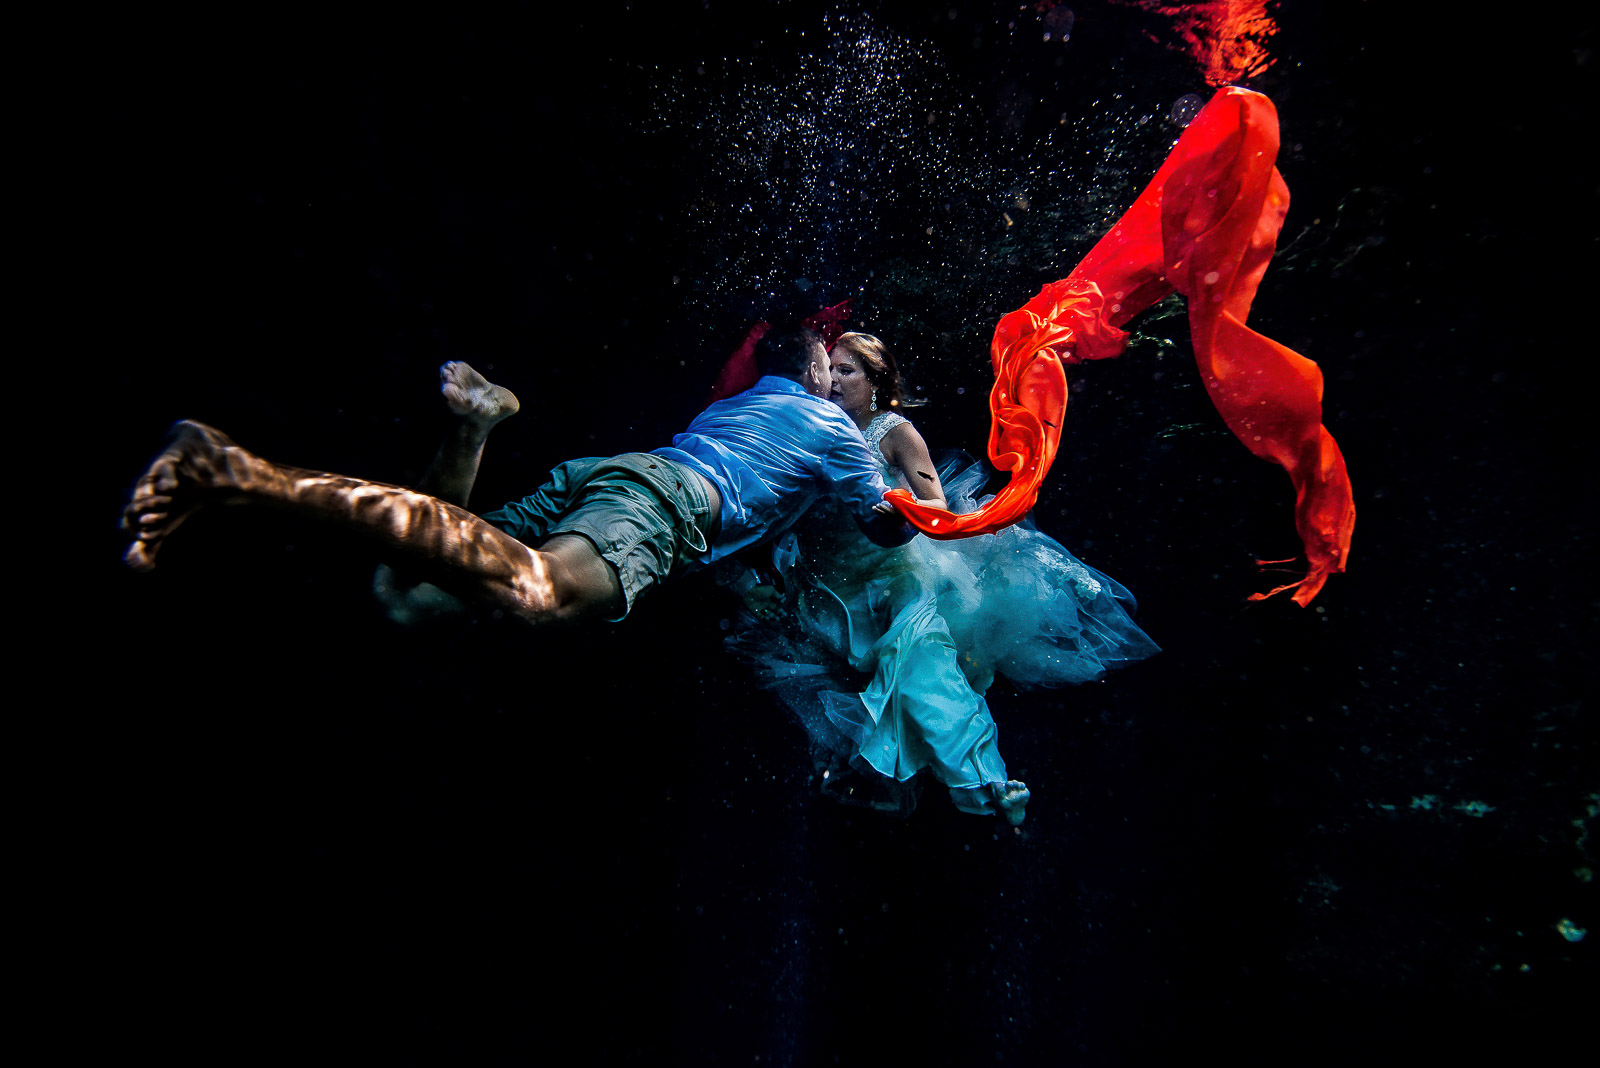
(786, 351)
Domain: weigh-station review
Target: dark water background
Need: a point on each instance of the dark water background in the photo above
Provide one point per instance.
(1296, 835)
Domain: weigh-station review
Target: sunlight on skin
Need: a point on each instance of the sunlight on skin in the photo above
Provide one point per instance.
(446, 544)
(534, 586)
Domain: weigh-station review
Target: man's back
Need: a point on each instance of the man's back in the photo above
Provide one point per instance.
(770, 451)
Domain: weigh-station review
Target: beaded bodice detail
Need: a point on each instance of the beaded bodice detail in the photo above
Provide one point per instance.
(881, 424)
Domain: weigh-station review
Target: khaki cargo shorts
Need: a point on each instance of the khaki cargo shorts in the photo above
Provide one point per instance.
(647, 516)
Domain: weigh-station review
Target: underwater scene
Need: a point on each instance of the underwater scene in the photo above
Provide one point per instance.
(1235, 699)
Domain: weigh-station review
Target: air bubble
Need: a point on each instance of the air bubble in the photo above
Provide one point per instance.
(1185, 108)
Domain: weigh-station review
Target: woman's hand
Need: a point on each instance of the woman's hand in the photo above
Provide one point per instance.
(761, 598)
(763, 601)
(885, 508)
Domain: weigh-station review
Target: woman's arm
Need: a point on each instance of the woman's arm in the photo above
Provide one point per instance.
(904, 448)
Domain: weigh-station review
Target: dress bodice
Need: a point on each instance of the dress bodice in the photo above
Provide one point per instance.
(881, 424)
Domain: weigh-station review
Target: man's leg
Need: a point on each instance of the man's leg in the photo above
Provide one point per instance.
(564, 581)
(476, 405)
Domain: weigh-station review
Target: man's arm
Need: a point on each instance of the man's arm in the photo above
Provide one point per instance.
(851, 473)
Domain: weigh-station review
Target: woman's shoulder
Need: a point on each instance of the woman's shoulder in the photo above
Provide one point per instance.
(900, 433)
(886, 423)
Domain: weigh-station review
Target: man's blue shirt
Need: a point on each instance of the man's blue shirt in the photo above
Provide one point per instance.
(770, 451)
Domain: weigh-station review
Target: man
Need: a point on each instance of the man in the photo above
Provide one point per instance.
(593, 538)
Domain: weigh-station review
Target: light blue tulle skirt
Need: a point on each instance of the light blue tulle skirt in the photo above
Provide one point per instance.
(884, 656)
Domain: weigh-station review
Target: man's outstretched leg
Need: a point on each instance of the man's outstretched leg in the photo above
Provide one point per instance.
(563, 581)
(476, 405)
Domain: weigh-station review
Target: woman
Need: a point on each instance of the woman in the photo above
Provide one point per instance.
(931, 621)
(880, 610)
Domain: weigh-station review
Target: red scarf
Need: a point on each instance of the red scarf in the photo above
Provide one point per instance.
(1204, 227)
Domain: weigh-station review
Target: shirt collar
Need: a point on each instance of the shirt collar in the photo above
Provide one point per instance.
(778, 384)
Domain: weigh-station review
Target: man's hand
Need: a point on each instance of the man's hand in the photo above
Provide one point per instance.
(883, 508)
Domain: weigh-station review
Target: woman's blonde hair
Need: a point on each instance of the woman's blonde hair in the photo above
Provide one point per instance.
(881, 370)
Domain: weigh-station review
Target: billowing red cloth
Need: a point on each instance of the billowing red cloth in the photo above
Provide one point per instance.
(1204, 227)
(829, 322)
(740, 372)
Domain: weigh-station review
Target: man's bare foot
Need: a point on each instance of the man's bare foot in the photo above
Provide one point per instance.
(473, 397)
(171, 488)
(1010, 799)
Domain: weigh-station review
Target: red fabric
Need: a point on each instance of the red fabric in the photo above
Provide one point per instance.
(1205, 227)
(740, 372)
(829, 322)
(1227, 38)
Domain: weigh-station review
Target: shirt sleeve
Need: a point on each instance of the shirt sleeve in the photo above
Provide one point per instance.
(850, 472)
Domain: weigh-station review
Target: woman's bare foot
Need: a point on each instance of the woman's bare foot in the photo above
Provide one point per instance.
(196, 460)
(1010, 799)
(473, 397)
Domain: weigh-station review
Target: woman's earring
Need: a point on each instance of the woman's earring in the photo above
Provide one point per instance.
(874, 401)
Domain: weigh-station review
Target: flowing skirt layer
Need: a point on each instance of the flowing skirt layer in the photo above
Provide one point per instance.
(928, 626)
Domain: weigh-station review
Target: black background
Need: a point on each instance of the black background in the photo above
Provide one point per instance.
(311, 834)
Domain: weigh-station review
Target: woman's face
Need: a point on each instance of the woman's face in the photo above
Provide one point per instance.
(851, 389)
